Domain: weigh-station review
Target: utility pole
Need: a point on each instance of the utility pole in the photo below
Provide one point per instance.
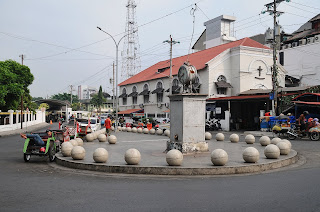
(22, 58)
(171, 42)
(112, 81)
(71, 89)
(272, 10)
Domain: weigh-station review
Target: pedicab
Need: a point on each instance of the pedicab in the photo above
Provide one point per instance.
(49, 149)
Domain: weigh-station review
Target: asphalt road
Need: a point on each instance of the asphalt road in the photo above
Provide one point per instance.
(43, 186)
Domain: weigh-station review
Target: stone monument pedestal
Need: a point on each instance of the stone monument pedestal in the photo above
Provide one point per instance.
(187, 123)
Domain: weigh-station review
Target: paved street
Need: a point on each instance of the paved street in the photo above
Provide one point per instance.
(40, 185)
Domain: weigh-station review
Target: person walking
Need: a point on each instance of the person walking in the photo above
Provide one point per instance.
(107, 124)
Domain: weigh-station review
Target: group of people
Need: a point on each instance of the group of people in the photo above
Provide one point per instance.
(304, 124)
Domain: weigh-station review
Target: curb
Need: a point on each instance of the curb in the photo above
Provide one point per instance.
(18, 131)
(168, 170)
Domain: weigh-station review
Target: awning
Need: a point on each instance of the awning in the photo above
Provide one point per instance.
(223, 84)
(124, 95)
(105, 95)
(133, 94)
(144, 92)
(307, 103)
(166, 111)
(157, 90)
(129, 111)
(175, 89)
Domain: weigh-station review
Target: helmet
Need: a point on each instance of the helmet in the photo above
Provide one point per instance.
(305, 113)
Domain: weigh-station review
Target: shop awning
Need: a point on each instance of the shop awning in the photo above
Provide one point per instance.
(144, 92)
(223, 84)
(124, 95)
(166, 111)
(240, 97)
(307, 103)
(157, 90)
(129, 111)
(133, 94)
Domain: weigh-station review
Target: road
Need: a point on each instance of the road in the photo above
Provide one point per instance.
(43, 186)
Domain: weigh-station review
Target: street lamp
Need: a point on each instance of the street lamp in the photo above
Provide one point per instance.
(117, 46)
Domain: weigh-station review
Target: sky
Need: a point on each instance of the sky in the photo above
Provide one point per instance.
(63, 47)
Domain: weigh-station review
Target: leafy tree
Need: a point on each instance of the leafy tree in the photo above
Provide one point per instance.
(14, 81)
(65, 97)
(98, 99)
(76, 106)
(45, 105)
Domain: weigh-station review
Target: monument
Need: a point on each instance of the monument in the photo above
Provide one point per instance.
(187, 115)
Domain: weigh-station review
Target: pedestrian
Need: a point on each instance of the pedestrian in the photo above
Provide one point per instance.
(107, 124)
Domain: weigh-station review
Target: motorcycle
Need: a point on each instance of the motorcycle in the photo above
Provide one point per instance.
(312, 133)
(213, 125)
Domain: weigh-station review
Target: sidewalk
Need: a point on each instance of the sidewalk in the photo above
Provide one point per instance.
(28, 129)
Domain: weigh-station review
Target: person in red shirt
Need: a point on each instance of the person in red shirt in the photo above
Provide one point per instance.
(107, 124)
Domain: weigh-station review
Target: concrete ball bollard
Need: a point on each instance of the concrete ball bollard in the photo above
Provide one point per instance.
(174, 157)
(112, 139)
(80, 141)
(89, 137)
(159, 131)
(103, 131)
(112, 128)
(250, 155)
(139, 130)
(124, 129)
(207, 136)
(288, 142)
(167, 133)
(102, 138)
(219, 157)
(134, 130)
(66, 149)
(234, 138)
(152, 131)
(132, 156)
(264, 140)
(119, 128)
(78, 153)
(74, 142)
(250, 139)
(284, 148)
(220, 137)
(145, 131)
(275, 141)
(129, 129)
(94, 135)
(100, 155)
(272, 151)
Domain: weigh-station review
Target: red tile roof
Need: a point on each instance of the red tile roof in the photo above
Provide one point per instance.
(198, 59)
(129, 111)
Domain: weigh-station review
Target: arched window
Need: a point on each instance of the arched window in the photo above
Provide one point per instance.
(134, 95)
(124, 96)
(145, 93)
(159, 91)
(175, 87)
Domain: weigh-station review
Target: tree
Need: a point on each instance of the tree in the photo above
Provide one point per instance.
(98, 99)
(45, 105)
(14, 81)
(76, 106)
(65, 97)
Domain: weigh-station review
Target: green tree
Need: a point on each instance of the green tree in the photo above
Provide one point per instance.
(45, 105)
(65, 97)
(98, 99)
(76, 106)
(14, 81)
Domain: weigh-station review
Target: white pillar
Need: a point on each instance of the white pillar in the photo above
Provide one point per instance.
(17, 116)
(11, 117)
(227, 120)
(25, 116)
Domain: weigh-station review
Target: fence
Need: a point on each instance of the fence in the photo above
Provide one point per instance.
(11, 120)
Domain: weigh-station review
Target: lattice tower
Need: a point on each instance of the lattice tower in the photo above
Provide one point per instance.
(131, 63)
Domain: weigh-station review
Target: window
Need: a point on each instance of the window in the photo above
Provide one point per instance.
(124, 96)
(134, 96)
(281, 54)
(159, 94)
(222, 90)
(175, 87)
(146, 95)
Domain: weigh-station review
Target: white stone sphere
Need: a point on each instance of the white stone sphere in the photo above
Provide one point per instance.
(100, 155)
(89, 137)
(264, 140)
(95, 135)
(167, 133)
(102, 138)
(132, 156)
(112, 139)
(74, 142)
(220, 137)
(174, 157)
(250, 155)
(275, 141)
(112, 128)
(234, 138)
(219, 157)
(152, 131)
(208, 136)
(139, 130)
(288, 142)
(78, 153)
(103, 131)
(272, 151)
(250, 139)
(66, 149)
(124, 129)
(80, 141)
(129, 129)
(145, 131)
(159, 131)
(119, 128)
(284, 148)
(134, 130)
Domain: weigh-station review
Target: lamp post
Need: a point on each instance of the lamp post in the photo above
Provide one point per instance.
(117, 47)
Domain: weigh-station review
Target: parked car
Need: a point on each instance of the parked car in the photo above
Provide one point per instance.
(94, 123)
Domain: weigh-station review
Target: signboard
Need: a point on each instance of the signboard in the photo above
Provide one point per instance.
(218, 110)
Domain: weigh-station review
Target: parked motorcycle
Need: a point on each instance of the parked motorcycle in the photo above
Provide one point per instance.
(213, 125)
(312, 133)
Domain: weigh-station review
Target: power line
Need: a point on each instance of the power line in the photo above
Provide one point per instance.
(312, 7)
(301, 9)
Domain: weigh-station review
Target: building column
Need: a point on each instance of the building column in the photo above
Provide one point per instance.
(11, 117)
(17, 116)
